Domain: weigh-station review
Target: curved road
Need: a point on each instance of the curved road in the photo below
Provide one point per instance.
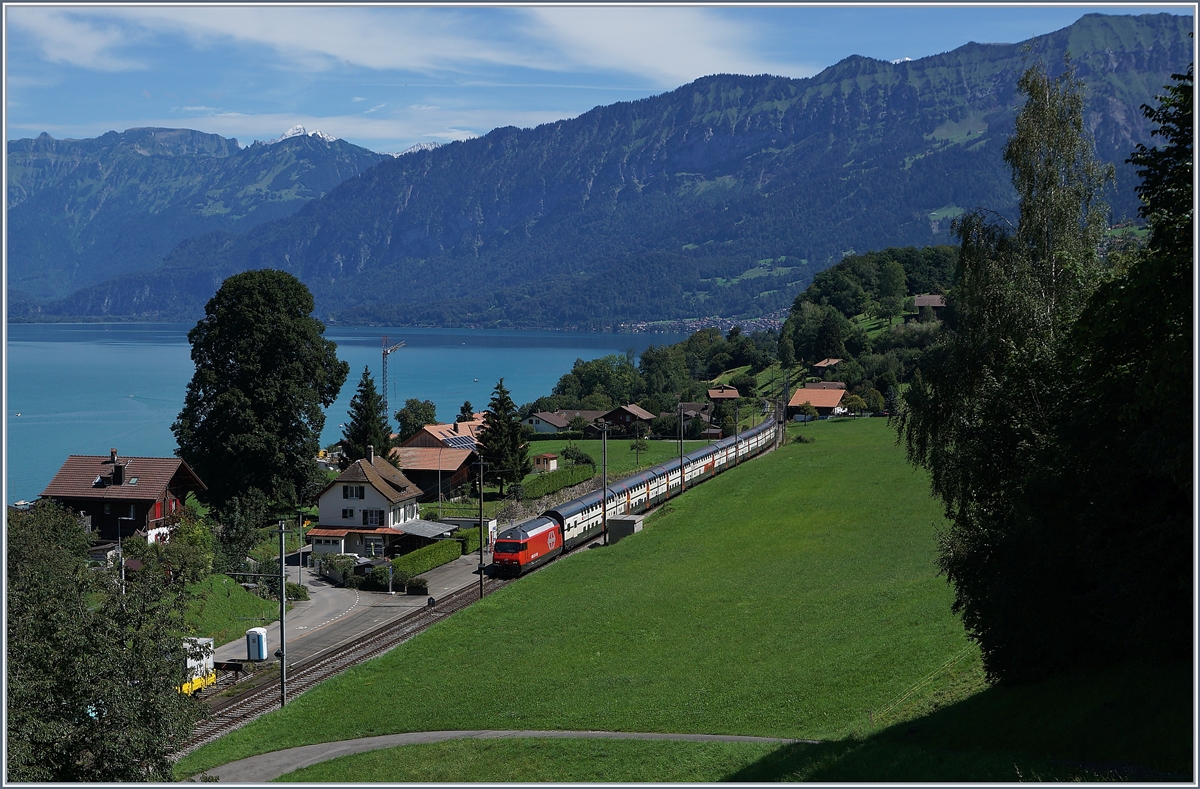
(267, 766)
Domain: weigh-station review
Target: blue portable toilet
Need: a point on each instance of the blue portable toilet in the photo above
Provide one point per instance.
(256, 643)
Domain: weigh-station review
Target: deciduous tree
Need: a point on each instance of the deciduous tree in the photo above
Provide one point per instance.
(93, 670)
(980, 415)
(254, 409)
(413, 416)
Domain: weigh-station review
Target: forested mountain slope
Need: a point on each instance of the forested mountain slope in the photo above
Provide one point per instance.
(82, 212)
(722, 197)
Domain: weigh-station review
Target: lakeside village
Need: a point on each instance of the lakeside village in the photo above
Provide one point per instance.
(375, 509)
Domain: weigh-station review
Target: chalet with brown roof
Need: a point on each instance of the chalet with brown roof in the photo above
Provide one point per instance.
(625, 417)
(827, 364)
(546, 422)
(825, 385)
(456, 435)
(826, 401)
(434, 468)
(119, 497)
(372, 502)
(724, 392)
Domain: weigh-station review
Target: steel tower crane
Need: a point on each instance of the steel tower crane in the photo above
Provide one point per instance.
(386, 351)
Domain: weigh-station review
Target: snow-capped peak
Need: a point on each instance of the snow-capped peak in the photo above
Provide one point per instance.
(901, 60)
(421, 146)
(300, 131)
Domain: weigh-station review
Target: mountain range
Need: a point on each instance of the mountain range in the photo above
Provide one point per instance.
(81, 212)
(720, 198)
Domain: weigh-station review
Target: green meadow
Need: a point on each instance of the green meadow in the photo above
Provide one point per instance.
(795, 596)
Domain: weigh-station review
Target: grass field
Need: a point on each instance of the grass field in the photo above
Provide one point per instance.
(222, 610)
(795, 596)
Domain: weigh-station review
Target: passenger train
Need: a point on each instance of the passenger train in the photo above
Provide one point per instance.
(538, 540)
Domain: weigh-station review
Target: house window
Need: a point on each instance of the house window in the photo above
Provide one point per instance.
(352, 491)
(347, 514)
(372, 517)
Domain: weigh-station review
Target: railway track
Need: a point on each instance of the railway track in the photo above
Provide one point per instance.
(312, 671)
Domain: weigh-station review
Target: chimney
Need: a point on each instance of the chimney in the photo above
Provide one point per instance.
(371, 454)
(112, 456)
(456, 423)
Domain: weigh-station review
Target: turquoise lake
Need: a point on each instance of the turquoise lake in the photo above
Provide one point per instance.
(79, 389)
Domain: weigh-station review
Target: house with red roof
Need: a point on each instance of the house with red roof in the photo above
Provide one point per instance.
(827, 401)
(119, 497)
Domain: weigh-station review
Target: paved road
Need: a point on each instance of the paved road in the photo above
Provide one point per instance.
(335, 616)
(267, 766)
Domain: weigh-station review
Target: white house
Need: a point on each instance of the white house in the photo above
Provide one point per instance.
(365, 509)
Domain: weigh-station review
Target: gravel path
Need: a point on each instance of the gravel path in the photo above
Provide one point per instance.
(267, 766)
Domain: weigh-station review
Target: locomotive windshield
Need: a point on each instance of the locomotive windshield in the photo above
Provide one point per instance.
(509, 547)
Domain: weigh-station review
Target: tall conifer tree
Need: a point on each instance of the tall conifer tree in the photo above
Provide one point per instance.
(368, 424)
(500, 442)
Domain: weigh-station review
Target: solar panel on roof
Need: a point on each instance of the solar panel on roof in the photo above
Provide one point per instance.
(459, 442)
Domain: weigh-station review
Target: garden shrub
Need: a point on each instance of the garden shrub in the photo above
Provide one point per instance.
(418, 586)
(297, 591)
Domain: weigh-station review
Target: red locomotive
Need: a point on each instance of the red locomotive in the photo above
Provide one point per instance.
(527, 545)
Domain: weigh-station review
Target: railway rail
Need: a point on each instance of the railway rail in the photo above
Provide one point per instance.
(247, 706)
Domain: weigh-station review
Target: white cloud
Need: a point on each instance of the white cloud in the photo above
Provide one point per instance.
(376, 108)
(198, 109)
(672, 45)
(668, 45)
(68, 37)
(320, 38)
(357, 99)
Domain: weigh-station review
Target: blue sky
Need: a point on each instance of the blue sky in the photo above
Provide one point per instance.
(388, 77)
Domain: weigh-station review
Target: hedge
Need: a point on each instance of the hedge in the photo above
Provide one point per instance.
(469, 539)
(562, 435)
(552, 481)
(425, 559)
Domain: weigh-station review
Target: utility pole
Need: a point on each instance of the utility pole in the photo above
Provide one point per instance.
(481, 465)
(386, 351)
(603, 425)
(737, 454)
(282, 613)
(681, 446)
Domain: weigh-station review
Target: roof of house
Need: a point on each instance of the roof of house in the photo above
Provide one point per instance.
(827, 363)
(825, 385)
(634, 409)
(382, 476)
(423, 528)
(547, 456)
(819, 398)
(322, 531)
(569, 414)
(929, 300)
(146, 479)
(724, 392)
(551, 418)
(432, 458)
(456, 435)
